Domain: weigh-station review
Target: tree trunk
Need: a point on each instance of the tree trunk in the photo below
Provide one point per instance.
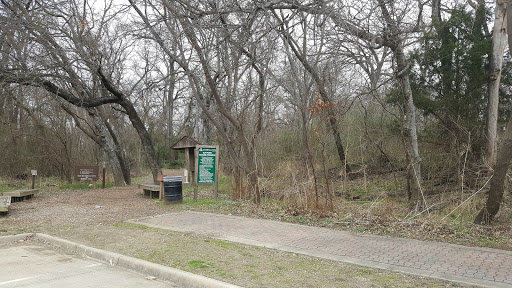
(436, 12)
(105, 138)
(123, 164)
(105, 141)
(309, 156)
(504, 156)
(410, 132)
(171, 73)
(492, 206)
(145, 139)
(499, 41)
(395, 43)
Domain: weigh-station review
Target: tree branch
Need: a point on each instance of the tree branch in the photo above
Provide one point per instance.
(36, 81)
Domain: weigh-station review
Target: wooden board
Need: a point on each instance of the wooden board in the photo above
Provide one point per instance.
(150, 187)
(150, 190)
(20, 193)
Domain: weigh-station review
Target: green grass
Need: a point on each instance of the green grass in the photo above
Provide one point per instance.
(200, 202)
(356, 191)
(197, 264)
(223, 244)
(127, 225)
(3, 189)
(209, 204)
(487, 241)
(362, 229)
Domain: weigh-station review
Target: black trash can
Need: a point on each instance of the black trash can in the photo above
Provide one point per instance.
(173, 192)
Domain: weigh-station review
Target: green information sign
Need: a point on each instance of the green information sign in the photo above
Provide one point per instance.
(206, 164)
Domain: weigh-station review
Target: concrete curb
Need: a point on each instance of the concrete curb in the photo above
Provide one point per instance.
(161, 272)
(14, 238)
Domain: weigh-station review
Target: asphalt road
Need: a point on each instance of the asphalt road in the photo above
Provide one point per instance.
(28, 265)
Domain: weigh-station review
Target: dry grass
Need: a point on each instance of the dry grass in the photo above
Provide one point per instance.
(378, 205)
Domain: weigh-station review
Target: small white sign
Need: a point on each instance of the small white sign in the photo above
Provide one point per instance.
(33, 172)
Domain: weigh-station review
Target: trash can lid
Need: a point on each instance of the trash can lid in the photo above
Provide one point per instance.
(172, 178)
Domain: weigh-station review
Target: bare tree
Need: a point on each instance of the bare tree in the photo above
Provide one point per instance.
(101, 132)
(213, 75)
(392, 27)
(297, 82)
(67, 60)
(503, 157)
(499, 41)
(320, 84)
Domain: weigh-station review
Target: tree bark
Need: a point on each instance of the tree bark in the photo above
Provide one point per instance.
(493, 203)
(124, 166)
(414, 167)
(504, 156)
(499, 41)
(108, 145)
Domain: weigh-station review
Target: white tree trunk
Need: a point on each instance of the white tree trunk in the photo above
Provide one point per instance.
(499, 42)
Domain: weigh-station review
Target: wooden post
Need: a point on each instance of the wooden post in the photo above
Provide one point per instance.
(103, 179)
(160, 178)
(216, 189)
(191, 164)
(34, 174)
(216, 185)
(196, 153)
(187, 159)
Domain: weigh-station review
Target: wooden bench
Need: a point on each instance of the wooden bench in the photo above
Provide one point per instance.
(5, 202)
(20, 195)
(151, 190)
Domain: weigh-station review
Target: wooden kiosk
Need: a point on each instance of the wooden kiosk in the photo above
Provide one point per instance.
(201, 162)
(189, 145)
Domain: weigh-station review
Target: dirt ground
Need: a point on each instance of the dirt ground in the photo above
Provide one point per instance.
(96, 218)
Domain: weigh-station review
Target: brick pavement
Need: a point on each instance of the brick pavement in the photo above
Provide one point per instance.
(470, 265)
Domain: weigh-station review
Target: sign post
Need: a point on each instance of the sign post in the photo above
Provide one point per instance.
(207, 163)
(34, 174)
(103, 176)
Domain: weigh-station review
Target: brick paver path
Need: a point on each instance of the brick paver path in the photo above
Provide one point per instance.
(477, 266)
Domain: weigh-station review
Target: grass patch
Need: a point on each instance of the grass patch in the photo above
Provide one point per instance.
(3, 189)
(223, 244)
(126, 225)
(487, 241)
(198, 264)
(199, 202)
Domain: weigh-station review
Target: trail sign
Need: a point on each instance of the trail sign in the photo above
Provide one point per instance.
(86, 173)
(207, 164)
